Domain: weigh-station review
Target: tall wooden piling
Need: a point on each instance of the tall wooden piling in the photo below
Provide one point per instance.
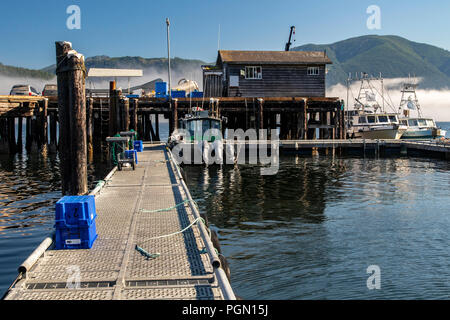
(71, 74)
(113, 129)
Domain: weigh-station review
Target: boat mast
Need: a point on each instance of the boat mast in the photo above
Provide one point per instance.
(410, 87)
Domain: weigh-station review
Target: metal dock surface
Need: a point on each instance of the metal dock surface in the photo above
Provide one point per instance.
(113, 269)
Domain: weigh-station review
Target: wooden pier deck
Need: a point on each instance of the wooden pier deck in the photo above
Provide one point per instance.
(187, 267)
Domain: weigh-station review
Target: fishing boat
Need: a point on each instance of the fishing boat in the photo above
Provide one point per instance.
(369, 120)
(417, 127)
(201, 131)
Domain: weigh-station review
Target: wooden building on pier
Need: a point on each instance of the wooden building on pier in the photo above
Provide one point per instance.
(266, 74)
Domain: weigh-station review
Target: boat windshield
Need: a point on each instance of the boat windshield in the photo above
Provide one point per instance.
(371, 119)
(430, 123)
(362, 120)
(382, 119)
(404, 122)
(412, 123)
(422, 122)
(393, 119)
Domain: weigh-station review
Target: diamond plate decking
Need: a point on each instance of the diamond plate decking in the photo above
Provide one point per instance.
(113, 269)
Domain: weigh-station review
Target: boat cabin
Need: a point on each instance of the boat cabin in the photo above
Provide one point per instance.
(418, 122)
(198, 123)
(374, 119)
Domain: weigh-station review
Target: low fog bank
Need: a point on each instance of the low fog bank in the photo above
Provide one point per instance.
(434, 103)
(6, 83)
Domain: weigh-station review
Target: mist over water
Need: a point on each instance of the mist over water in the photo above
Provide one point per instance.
(434, 103)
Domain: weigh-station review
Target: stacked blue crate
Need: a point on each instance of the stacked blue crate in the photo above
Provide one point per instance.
(196, 94)
(178, 94)
(75, 222)
(161, 89)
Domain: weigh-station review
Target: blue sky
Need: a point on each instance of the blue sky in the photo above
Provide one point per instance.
(137, 28)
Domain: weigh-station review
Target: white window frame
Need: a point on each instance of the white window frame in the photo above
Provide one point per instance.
(256, 75)
(313, 71)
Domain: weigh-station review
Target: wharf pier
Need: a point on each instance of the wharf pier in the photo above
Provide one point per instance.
(148, 207)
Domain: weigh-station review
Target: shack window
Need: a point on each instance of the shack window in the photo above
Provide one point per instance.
(253, 73)
(313, 71)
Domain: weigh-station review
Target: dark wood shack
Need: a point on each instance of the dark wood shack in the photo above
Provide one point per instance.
(266, 74)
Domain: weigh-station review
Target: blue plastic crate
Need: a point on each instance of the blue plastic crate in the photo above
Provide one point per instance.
(131, 154)
(75, 211)
(161, 88)
(161, 95)
(75, 238)
(179, 94)
(138, 146)
(197, 94)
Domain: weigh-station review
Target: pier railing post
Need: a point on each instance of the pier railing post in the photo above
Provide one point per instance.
(71, 74)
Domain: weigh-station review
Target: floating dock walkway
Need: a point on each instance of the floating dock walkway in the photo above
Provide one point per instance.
(148, 207)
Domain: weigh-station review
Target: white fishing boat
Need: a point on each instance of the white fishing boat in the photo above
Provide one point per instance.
(417, 127)
(200, 131)
(369, 120)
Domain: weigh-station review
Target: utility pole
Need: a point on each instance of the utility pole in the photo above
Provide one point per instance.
(168, 57)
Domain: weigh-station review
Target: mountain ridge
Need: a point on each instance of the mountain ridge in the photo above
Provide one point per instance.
(393, 56)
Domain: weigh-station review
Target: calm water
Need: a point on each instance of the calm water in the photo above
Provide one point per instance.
(309, 232)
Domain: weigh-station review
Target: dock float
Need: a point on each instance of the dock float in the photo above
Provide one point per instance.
(152, 244)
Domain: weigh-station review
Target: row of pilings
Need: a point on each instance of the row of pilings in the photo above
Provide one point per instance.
(36, 133)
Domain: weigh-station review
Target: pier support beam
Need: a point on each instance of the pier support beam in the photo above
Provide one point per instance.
(71, 73)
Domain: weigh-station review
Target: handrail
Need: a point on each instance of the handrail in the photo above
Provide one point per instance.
(219, 272)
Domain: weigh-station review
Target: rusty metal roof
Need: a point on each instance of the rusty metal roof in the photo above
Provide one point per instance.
(273, 57)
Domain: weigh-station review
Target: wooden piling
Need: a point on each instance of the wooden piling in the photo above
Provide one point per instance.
(89, 128)
(12, 135)
(134, 115)
(112, 109)
(43, 125)
(71, 74)
(157, 127)
(124, 114)
(175, 115)
(53, 139)
(19, 134)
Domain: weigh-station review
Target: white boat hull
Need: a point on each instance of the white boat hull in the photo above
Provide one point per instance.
(375, 133)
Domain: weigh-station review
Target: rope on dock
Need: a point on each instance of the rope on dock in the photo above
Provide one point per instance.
(156, 255)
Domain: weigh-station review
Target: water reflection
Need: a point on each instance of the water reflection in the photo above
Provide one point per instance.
(311, 231)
